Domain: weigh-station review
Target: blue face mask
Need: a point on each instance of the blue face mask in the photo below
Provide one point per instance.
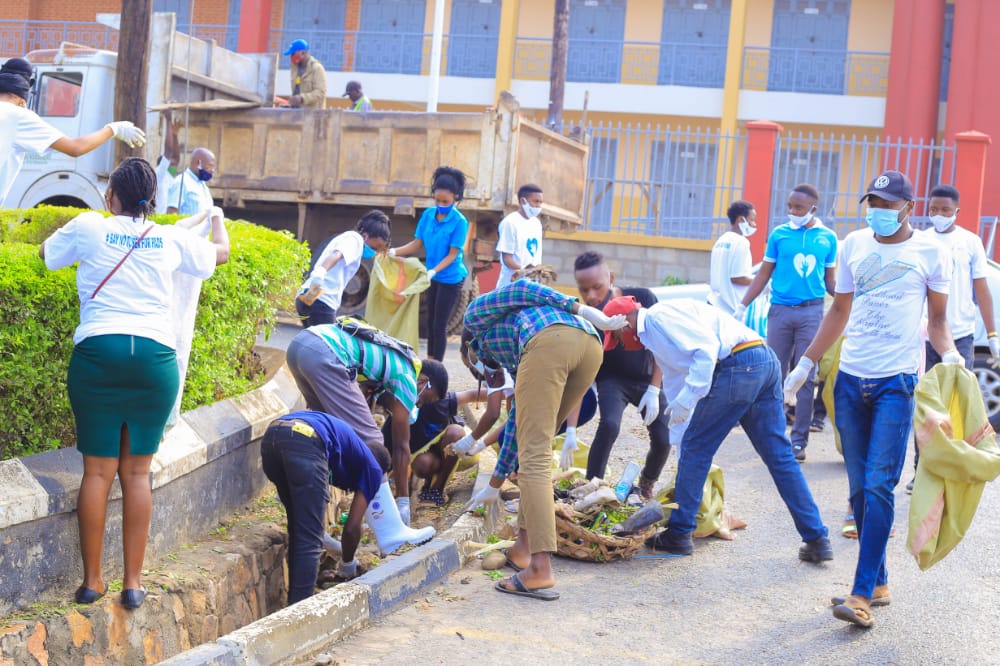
(444, 210)
(204, 175)
(883, 221)
(367, 252)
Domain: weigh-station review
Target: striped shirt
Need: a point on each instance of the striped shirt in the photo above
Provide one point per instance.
(376, 363)
(503, 322)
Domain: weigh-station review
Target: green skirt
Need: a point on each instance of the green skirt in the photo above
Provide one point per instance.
(117, 380)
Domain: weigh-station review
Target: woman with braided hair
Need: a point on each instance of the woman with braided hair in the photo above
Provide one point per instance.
(442, 233)
(123, 375)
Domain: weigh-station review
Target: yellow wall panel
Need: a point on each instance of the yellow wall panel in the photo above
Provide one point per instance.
(870, 28)
(643, 20)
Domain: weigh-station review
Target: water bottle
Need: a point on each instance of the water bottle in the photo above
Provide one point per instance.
(650, 514)
(624, 486)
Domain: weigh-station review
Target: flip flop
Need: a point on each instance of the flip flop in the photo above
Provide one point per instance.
(855, 610)
(545, 594)
(850, 528)
(510, 563)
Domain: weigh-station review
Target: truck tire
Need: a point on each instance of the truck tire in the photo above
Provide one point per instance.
(469, 292)
(355, 295)
(989, 384)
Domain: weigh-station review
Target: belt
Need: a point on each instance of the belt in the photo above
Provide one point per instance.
(749, 344)
(296, 425)
(804, 304)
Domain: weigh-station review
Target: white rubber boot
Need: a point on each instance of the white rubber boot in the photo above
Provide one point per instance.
(390, 532)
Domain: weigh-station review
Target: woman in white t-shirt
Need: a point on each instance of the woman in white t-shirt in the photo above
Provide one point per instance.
(123, 375)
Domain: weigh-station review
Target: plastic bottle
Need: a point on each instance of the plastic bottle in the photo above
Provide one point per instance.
(624, 486)
(650, 514)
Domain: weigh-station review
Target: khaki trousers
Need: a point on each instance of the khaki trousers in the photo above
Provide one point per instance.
(557, 365)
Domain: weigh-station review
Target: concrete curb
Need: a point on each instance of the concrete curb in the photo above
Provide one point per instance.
(311, 625)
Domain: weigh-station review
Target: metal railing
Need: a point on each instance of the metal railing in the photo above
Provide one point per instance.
(815, 71)
(20, 37)
(841, 167)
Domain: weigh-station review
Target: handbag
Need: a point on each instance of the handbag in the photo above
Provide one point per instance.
(122, 261)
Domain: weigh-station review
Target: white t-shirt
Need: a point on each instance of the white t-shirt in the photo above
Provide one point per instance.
(968, 264)
(164, 179)
(21, 132)
(136, 300)
(730, 258)
(350, 244)
(189, 194)
(507, 387)
(521, 238)
(889, 283)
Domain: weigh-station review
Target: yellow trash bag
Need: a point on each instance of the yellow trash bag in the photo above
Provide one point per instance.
(829, 364)
(393, 302)
(579, 456)
(711, 518)
(958, 454)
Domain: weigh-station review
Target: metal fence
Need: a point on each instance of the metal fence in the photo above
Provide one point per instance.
(841, 167)
(815, 71)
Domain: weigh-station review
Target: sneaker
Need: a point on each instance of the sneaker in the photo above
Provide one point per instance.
(432, 496)
(817, 550)
(671, 542)
(646, 488)
(909, 486)
(800, 452)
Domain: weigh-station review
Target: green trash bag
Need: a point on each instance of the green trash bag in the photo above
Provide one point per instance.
(393, 297)
(712, 518)
(958, 455)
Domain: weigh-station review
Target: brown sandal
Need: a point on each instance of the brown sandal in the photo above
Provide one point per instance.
(855, 610)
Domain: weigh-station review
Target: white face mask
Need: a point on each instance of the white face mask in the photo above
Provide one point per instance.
(799, 221)
(529, 210)
(942, 223)
(746, 229)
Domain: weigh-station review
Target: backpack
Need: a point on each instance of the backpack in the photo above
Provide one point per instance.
(359, 328)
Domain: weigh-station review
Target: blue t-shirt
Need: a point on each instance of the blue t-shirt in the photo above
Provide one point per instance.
(800, 258)
(352, 465)
(439, 237)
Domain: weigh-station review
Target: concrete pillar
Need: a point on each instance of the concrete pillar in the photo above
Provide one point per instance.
(970, 177)
(762, 140)
(255, 26)
(506, 46)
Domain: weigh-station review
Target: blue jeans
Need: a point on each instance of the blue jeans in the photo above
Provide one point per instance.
(874, 417)
(298, 467)
(746, 389)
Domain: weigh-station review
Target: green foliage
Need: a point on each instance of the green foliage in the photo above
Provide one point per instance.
(671, 280)
(39, 310)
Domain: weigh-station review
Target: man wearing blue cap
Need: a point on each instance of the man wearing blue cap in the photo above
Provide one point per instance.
(308, 77)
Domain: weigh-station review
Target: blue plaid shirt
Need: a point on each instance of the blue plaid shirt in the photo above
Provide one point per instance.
(502, 322)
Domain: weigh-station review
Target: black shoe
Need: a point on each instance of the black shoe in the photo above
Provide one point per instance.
(132, 599)
(671, 542)
(909, 486)
(816, 426)
(85, 595)
(817, 550)
(800, 453)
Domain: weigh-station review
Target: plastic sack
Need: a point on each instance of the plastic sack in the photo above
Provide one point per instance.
(393, 303)
(579, 456)
(829, 365)
(711, 518)
(958, 455)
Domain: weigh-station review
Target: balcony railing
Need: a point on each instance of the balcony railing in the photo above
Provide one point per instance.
(816, 71)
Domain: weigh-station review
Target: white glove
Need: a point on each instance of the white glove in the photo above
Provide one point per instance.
(476, 448)
(392, 252)
(601, 320)
(994, 343)
(569, 448)
(796, 378)
(403, 504)
(127, 133)
(649, 405)
(462, 446)
(347, 570)
(431, 273)
(331, 545)
(679, 414)
(317, 274)
(952, 356)
(488, 495)
(740, 313)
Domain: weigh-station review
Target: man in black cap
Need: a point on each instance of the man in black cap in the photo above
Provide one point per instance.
(359, 100)
(308, 77)
(885, 275)
(22, 131)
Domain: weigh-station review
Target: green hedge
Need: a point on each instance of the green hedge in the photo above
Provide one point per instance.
(39, 310)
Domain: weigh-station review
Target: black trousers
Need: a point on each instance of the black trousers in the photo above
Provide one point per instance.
(441, 300)
(613, 395)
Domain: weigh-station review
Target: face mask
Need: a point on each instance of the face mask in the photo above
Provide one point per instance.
(799, 221)
(529, 210)
(942, 223)
(883, 221)
(203, 175)
(444, 210)
(367, 252)
(746, 229)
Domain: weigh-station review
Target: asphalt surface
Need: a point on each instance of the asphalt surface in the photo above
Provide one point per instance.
(747, 601)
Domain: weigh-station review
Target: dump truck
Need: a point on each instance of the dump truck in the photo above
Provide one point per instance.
(313, 172)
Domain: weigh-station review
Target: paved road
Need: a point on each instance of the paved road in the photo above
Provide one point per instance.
(748, 601)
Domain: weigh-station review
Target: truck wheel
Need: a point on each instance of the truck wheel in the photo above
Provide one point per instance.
(471, 290)
(989, 384)
(356, 292)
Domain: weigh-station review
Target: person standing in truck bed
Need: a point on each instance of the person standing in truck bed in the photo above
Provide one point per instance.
(308, 77)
